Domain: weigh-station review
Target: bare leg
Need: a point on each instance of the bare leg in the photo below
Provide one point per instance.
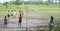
(6, 25)
(20, 25)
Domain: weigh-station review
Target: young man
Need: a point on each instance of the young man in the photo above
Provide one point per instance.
(51, 19)
(5, 22)
(11, 13)
(8, 14)
(20, 20)
(50, 24)
(14, 14)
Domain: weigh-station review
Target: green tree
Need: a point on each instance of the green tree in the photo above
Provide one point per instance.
(49, 1)
(17, 2)
(52, 1)
(5, 3)
(59, 1)
(41, 1)
(55, 1)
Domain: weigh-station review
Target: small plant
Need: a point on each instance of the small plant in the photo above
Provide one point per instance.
(57, 28)
(57, 25)
(38, 29)
(51, 27)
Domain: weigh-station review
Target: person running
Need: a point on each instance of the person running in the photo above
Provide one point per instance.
(51, 19)
(8, 14)
(11, 13)
(20, 20)
(14, 14)
(5, 22)
(50, 24)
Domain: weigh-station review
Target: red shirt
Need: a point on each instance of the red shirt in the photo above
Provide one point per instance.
(20, 17)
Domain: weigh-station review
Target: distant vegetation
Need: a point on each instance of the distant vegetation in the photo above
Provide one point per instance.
(18, 2)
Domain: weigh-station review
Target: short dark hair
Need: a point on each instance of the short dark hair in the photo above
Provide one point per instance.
(51, 17)
(20, 14)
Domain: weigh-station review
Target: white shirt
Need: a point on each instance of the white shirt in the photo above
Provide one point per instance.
(14, 13)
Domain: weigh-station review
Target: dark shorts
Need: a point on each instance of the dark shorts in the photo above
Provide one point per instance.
(8, 15)
(19, 21)
(11, 14)
(5, 23)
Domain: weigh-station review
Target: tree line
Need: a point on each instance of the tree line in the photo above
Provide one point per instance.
(18, 2)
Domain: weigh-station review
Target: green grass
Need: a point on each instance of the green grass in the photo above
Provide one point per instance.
(45, 10)
(34, 7)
